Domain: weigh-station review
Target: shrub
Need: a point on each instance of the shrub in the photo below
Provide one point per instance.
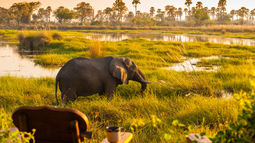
(7, 136)
(96, 50)
(33, 41)
(242, 130)
(57, 36)
(21, 37)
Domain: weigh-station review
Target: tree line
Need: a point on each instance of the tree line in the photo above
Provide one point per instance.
(118, 14)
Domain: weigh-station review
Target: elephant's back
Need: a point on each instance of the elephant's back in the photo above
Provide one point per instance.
(76, 67)
(81, 73)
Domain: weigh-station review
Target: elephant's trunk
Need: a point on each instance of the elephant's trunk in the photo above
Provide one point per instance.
(140, 78)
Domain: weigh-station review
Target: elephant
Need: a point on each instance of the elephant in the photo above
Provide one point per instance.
(83, 77)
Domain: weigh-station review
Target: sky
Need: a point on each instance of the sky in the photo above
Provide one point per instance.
(144, 6)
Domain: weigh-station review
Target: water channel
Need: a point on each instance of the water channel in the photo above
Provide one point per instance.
(190, 65)
(13, 63)
(170, 37)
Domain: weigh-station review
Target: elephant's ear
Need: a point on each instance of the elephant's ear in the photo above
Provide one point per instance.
(129, 64)
(118, 70)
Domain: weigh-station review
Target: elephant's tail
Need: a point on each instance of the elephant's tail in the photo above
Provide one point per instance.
(56, 90)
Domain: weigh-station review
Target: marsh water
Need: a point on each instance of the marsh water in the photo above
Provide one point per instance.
(190, 65)
(170, 37)
(13, 63)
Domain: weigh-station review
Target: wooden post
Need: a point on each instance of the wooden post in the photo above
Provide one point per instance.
(75, 131)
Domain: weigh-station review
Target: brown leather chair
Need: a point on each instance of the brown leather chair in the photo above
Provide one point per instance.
(53, 125)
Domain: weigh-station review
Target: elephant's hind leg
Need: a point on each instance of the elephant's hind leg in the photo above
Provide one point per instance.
(68, 95)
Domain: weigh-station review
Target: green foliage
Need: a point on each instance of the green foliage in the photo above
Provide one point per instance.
(64, 14)
(242, 130)
(143, 21)
(14, 136)
(57, 36)
(4, 15)
(200, 15)
(97, 23)
(22, 12)
(84, 11)
(121, 9)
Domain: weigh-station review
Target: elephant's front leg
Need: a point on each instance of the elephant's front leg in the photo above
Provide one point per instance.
(110, 88)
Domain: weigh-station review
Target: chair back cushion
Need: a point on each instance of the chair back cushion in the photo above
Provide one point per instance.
(52, 124)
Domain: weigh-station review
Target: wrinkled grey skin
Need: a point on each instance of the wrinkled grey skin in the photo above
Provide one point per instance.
(84, 77)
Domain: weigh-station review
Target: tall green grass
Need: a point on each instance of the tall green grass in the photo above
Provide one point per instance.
(149, 117)
(153, 56)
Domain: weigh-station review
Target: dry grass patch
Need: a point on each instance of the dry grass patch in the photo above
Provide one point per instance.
(96, 50)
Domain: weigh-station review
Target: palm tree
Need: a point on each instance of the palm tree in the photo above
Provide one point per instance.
(152, 11)
(135, 3)
(35, 17)
(252, 13)
(120, 7)
(160, 15)
(213, 12)
(243, 12)
(41, 14)
(185, 11)
(188, 3)
(222, 8)
(233, 13)
(180, 13)
(130, 16)
(48, 13)
(171, 11)
(99, 16)
(139, 13)
(108, 12)
(199, 5)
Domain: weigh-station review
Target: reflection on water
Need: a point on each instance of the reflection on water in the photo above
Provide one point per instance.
(170, 37)
(190, 65)
(13, 64)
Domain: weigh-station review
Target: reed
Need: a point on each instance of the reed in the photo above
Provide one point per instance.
(96, 50)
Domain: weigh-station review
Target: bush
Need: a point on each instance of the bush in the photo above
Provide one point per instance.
(7, 136)
(97, 23)
(57, 36)
(21, 37)
(243, 130)
(33, 41)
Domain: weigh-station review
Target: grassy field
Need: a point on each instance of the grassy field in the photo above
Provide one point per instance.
(192, 98)
(148, 116)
